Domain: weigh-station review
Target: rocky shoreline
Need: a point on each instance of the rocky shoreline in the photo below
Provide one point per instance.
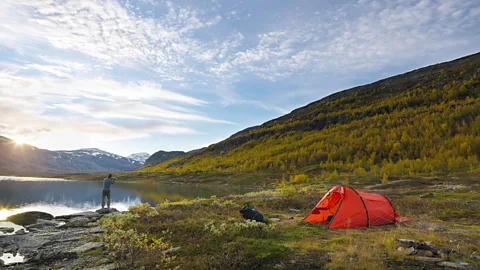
(62, 242)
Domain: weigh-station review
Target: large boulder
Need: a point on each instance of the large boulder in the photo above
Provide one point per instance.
(77, 222)
(28, 218)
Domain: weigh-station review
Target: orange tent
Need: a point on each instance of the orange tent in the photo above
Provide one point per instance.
(343, 207)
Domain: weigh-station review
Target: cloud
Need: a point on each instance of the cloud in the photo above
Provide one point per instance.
(366, 36)
(99, 109)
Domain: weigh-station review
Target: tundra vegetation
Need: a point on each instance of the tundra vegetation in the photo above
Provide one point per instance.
(207, 233)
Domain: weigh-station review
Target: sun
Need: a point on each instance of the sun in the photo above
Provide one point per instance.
(19, 141)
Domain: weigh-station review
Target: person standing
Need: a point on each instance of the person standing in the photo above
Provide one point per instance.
(107, 182)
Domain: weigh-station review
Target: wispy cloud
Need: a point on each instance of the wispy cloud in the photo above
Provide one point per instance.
(138, 68)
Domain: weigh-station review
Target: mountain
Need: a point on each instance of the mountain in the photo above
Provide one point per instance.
(421, 122)
(29, 160)
(140, 157)
(162, 156)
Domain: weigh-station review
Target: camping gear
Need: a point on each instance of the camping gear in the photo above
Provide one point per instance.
(343, 207)
(250, 213)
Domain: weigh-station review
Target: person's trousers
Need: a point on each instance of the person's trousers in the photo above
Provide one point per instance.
(106, 193)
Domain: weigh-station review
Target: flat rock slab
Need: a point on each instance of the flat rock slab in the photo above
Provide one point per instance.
(77, 222)
(87, 247)
(87, 214)
(105, 211)
(43, 224)
(110, 266)
(427, 259)
(459, 265)
(28, 218)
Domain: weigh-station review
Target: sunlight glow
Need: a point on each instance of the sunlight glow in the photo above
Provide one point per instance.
(19, 141)
(4, 213)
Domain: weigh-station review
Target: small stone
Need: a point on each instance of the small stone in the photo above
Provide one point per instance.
(275, 219)
(422, 225)
(291, 218)
(21, 232)
(87, 247)
(407, 242)
(111, 266)
(427, 259)
(460, 265)
(294, 210)
(438, 228)
(168, 251)
(6, 229)
(428, 195)
(406, 251)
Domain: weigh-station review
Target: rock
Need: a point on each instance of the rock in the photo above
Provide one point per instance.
(168, 251)
(410, 251)
(105, 211)
(275, 219)
(423, 225)
(87, 214)
(437, 228)
(454, 187)
(427, 259)
(290, 217)
(87, 247)
(428, 195)
(43, 224)
(406, 251)
(100, 229)
(294, 210)
(6, 229)
(28, 218)
(21, 232)
(460, 265)
(77, 222)
(407, 242)
(110, 266)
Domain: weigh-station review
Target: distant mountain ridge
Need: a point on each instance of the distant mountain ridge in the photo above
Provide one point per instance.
(25, 159)
(140, 157)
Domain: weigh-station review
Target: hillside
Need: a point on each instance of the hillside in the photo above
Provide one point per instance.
(162, 156)
(29, 160)
(424, 121)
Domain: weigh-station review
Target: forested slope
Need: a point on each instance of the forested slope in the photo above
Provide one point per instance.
(424, 121)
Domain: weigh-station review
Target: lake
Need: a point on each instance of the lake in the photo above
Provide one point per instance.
(63, 197)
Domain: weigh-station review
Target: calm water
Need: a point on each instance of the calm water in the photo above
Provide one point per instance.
(62, 197)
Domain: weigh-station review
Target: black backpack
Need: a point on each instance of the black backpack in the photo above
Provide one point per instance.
(250, 213)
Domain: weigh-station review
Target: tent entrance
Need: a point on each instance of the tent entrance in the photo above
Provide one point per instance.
(325, 210)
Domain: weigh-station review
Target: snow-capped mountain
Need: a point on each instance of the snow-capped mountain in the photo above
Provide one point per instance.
(140, 157)
(29, 160)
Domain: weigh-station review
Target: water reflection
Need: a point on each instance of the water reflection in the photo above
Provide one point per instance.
(63, 197)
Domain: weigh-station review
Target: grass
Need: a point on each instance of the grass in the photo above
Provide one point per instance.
(212, 234)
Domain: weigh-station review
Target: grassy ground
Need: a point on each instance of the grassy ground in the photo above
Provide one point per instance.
(212, 234)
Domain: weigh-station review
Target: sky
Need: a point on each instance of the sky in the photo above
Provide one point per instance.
(141, 76)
